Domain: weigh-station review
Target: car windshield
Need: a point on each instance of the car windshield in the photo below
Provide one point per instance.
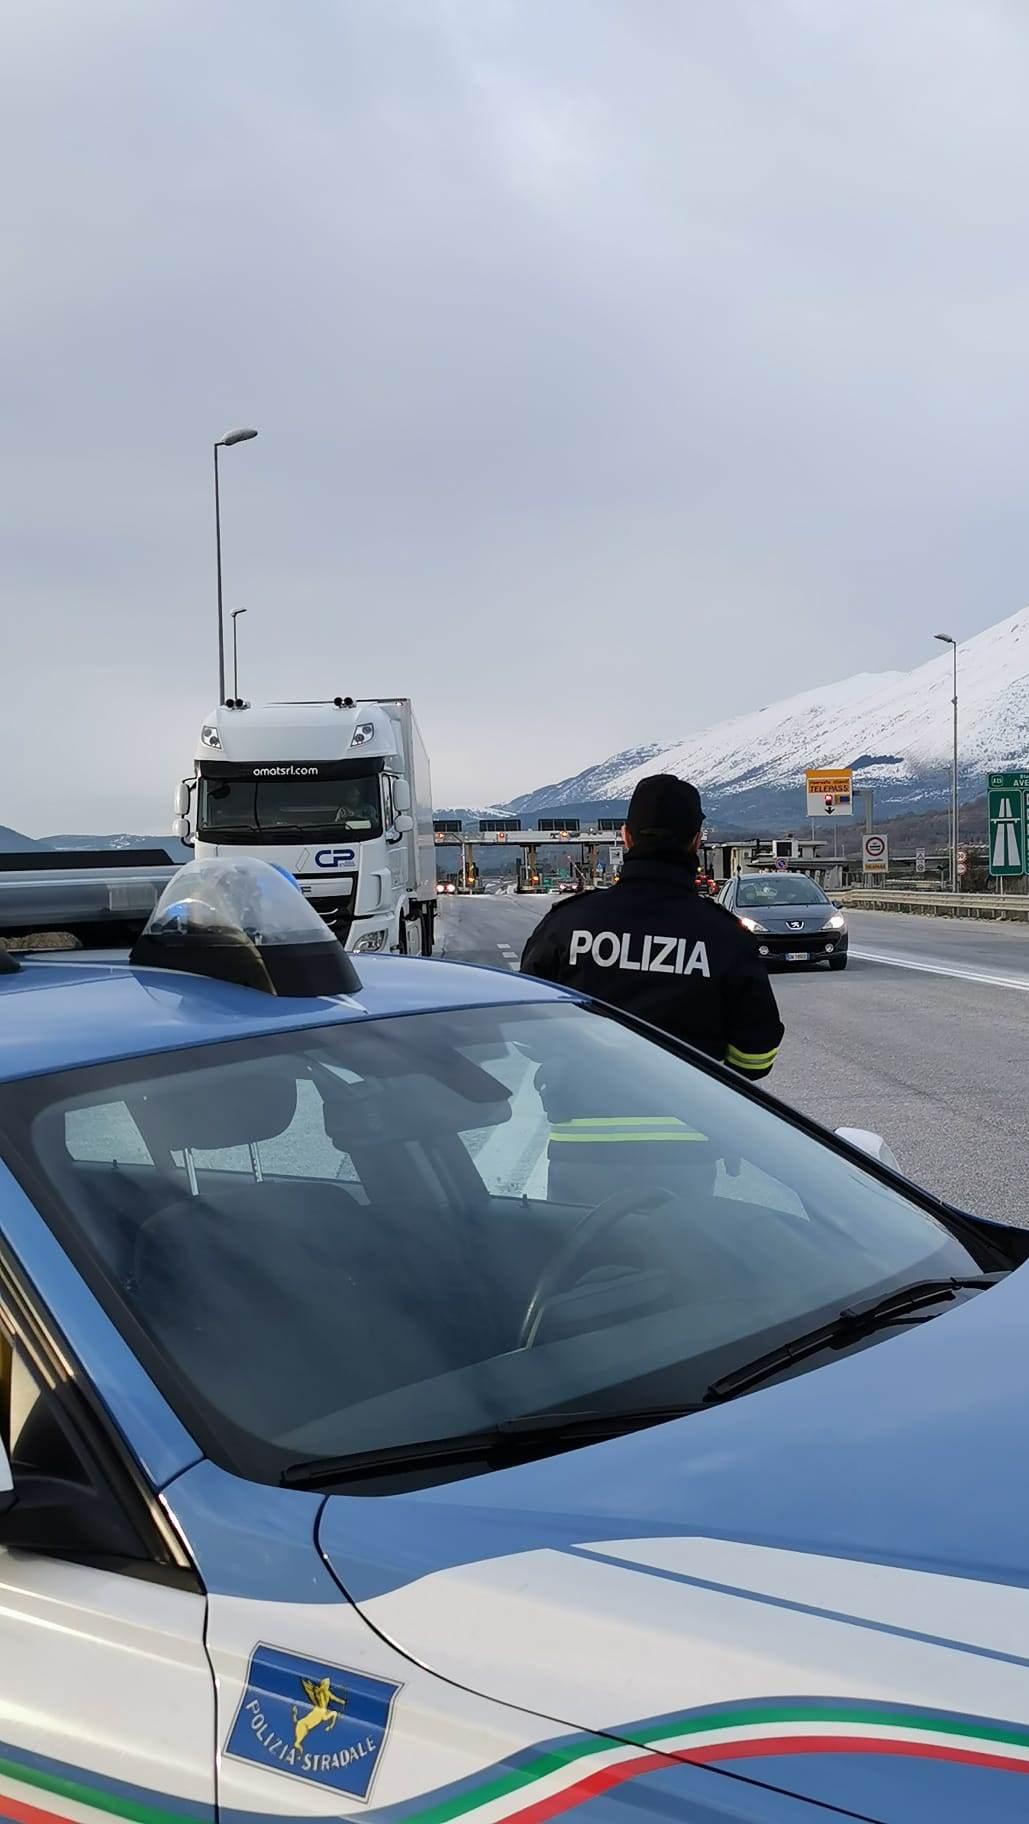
(355, 1237)
(313, 807)
(780, 890)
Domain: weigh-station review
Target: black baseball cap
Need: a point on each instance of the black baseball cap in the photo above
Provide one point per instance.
(665, 810)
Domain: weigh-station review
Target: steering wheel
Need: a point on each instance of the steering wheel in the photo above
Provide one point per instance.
(587, 1230)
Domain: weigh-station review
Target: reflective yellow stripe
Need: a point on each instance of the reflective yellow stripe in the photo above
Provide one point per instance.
(751, 1060)
(621, 1130)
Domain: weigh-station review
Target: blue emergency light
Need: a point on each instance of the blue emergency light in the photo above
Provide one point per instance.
(247, 922)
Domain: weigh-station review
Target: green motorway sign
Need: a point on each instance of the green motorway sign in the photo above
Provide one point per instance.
(1009, 823)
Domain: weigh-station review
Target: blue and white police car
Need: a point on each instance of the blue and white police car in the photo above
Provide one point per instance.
(430, 1397)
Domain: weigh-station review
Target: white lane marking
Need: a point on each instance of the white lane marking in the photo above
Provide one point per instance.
(960, 975)
(510, 956)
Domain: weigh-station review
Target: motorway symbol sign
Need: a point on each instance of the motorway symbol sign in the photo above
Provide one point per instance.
(1007, 807)
(875, 854)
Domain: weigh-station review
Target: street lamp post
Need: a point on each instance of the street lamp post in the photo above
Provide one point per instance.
(223, 443)
(947, 639)
(236, 612)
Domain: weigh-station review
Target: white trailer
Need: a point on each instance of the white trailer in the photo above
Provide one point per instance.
(339, 794)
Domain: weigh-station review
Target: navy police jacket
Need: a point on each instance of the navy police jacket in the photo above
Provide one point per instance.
(653, 946)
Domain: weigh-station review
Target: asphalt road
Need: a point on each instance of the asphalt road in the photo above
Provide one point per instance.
(925, 1039)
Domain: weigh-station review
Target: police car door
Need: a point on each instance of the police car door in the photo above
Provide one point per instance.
(106, 1695)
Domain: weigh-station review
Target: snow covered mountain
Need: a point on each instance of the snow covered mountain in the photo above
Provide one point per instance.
(894, 728)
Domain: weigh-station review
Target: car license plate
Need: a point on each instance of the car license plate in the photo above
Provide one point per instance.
(798, 956)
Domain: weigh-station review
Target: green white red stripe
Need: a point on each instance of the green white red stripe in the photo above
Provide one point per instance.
(569, 1774)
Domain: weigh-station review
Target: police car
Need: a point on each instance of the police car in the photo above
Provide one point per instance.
(376, 1442)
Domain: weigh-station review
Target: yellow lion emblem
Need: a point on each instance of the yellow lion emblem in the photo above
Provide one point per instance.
(321, 1696)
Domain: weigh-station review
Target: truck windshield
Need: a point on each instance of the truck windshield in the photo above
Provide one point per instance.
(310, 806)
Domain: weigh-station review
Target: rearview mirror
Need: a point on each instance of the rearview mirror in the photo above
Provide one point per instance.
(182, 797)
(183, 829)
(404, 823)
(6, 1482)
(401, 794)
(872, 1144)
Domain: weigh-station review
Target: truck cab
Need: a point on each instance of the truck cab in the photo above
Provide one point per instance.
(338, 794)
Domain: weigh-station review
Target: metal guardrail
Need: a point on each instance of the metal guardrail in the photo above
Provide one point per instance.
(1013, 906)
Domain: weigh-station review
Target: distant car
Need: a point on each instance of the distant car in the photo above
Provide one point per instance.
(792, 919)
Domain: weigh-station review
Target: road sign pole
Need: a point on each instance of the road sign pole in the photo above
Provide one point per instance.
(954, 784)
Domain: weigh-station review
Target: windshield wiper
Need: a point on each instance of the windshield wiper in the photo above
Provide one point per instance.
(847, 1326)
(507, 1439)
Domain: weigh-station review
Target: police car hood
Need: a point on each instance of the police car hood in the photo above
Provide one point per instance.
(843, 1556)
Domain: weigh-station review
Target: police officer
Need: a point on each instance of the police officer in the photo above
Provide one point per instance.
(653, 946)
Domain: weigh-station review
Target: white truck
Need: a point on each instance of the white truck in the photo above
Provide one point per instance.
(338, 794)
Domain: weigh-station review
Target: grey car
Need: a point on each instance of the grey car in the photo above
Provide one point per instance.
(790, 916)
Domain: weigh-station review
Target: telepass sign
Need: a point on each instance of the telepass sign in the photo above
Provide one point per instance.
(830, 791)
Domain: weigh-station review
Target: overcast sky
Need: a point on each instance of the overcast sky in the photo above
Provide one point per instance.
(618, 364)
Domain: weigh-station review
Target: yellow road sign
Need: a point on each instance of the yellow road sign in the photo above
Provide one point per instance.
(830, 791)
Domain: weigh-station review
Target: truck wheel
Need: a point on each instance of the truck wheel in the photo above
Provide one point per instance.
(409, 937)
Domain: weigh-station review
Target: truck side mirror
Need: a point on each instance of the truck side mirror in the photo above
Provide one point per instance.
(401, 794)
(404, 823)
(183, 794)
(6, 1482)
(183, 829)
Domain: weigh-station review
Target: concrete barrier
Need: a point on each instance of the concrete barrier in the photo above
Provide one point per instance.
(1013, 907)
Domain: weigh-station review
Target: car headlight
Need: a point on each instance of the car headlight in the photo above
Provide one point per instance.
(836, 923)
(209, 735)
(750, 923)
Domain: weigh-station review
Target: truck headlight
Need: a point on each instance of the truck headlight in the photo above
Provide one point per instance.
(372, 940)
(362, 733)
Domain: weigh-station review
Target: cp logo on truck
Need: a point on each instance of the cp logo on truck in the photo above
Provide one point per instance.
(333, 858)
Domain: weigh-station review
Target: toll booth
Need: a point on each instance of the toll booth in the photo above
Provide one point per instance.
(799, 854)
(527, 877)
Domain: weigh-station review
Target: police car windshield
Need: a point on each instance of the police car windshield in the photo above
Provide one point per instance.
(780, 890)
(315, 807)
(349, 1239)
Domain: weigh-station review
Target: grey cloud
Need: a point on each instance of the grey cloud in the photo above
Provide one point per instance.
(617, 365)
